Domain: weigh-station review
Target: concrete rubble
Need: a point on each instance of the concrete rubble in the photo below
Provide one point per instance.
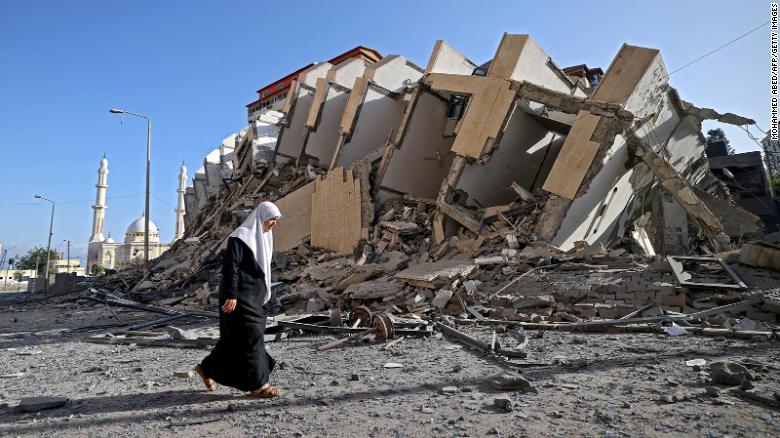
(543, 221)
(508, 192)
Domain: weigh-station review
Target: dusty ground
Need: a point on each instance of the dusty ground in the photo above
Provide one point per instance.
(594, 385)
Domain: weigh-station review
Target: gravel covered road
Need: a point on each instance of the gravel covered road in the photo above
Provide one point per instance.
(591, 385)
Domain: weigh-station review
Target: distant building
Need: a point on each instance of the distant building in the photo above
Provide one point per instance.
(772, 153)
(748, 182)
(277, 91)
(108, 254)
(591, 76)
(60, 266)
(11, 275)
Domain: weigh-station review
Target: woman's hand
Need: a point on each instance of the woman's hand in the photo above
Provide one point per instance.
(229, 306)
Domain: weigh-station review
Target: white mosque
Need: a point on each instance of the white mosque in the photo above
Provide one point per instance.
(108, 254)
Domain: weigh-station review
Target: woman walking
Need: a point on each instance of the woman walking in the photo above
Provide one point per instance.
(239, 359)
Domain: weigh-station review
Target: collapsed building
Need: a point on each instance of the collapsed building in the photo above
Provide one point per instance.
(424, 189)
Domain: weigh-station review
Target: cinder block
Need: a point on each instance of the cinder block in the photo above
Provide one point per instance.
(624, 309)
(626, 296)
(585, 310)
(645, 296)
(671, 300)
(606, 311)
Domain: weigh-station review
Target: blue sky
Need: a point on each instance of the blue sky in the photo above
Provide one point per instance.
(193, 65)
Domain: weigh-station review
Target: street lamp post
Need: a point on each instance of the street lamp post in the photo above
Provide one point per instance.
(67, 260)
(148, 165)
(48, 245)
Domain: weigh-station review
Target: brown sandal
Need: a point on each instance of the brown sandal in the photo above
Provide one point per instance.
(210, 385)
(268, 392)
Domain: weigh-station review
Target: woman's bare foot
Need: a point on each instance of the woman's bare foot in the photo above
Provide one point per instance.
(210, 385)
(266, 391)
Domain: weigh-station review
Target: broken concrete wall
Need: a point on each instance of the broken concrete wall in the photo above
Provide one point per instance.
(296, 111)
(525, 144)
(213, 170)
(200, 187)
(265, 132)
(330, 98)
(226, 155)
(500, 142)
(296, 226)
(637, 78)
(421, 157)
(337, 206)
(374, 110)
(190, 206)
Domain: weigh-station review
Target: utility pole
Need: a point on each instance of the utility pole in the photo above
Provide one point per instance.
(148, 167)
(8, 270)
(48, 246)
(2, 260)
(68, 258)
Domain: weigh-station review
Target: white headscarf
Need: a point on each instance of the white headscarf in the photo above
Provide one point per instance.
(261, 243)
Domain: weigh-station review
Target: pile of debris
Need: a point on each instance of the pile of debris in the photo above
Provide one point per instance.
(502, 198)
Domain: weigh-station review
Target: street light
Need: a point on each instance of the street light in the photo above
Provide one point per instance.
(148, 163)
(48, 246)
(67, 261)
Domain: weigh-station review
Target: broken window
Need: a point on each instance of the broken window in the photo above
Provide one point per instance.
(456, 107)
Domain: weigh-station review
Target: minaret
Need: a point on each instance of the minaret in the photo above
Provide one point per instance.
(100, 202)
(180, 211)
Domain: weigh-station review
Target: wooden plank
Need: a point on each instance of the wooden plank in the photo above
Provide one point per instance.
(575, 158)
(296, 220)
(523, 193)
(462, 216)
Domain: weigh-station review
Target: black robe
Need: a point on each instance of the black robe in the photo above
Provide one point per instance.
(239, 359)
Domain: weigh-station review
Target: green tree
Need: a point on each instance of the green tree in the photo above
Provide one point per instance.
(717, 134)
(36, 255)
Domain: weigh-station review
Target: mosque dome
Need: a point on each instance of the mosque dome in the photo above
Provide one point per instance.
(109, 239)
(135, 231)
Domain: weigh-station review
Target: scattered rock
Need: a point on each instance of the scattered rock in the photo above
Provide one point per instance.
(392, 365)
(182, 374)
(728, 373)
(695, 363)
(713, 391)
(507, 382)
(354, 377)
(504, 404)
(181, 334)
(441, 299)
(449, 390)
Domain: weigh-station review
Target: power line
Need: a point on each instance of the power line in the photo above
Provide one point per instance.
(721, 47)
